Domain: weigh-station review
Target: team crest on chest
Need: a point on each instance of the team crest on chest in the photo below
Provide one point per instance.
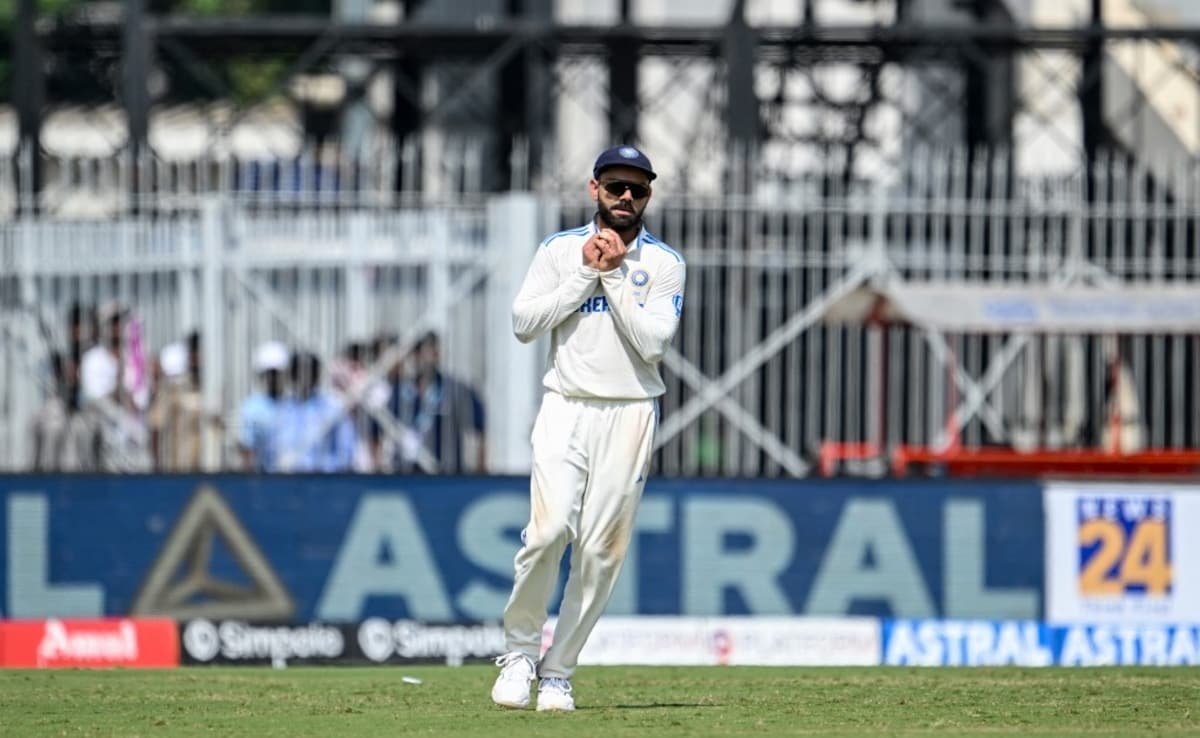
(639, 278)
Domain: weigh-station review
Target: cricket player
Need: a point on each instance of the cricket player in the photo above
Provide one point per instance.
(609, 295)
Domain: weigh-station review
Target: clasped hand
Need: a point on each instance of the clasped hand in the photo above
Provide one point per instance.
(604, 251)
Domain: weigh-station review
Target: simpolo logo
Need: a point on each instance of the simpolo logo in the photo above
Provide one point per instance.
(237, 641)
(200, 640)
(408, 639)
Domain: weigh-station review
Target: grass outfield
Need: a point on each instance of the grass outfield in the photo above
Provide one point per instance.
(613, 701)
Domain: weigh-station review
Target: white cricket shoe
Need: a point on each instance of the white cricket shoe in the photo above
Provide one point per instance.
(512, 686)
(554, 693)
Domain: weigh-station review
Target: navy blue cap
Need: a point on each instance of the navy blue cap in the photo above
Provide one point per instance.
(623, 156)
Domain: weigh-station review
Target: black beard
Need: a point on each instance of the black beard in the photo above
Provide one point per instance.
(619, 222)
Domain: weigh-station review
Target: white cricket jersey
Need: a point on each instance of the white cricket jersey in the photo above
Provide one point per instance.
(608, 330)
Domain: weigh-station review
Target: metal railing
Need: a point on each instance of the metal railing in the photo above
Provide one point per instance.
(757, 380)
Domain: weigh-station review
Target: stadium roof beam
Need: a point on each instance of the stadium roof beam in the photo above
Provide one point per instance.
(623, 107)
(29, 92)
(412, 46)
(741, 106)
(136, 50)
(1091, 97)
(524, 91)
(267, 34)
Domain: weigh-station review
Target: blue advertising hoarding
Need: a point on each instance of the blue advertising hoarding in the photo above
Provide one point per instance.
(439, 549)
(1032, 643)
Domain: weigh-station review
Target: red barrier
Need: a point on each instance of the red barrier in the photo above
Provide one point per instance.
(98, 643)
(961, 462)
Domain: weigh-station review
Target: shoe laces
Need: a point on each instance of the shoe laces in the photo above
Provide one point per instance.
(555, 684)
(511, 664)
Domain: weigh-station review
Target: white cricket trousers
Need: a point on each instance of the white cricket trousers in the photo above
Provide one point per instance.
(590, 459)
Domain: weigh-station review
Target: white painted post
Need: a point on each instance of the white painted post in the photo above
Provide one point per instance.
(436, 238)
(516, 225)
(360, 322)
(23, 403)
(212, 327)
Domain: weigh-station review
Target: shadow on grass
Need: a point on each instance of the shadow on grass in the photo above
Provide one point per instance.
(651, 706)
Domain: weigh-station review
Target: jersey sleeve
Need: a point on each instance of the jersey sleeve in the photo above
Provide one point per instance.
(545, 299)
(648, 327)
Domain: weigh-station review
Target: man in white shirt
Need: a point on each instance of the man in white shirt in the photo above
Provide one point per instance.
(610, 296)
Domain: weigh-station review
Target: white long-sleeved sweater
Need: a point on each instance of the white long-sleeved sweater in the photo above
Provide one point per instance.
(608, 330)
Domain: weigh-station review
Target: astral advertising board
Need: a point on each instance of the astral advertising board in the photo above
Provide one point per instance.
(1031, 643)
(343, 549)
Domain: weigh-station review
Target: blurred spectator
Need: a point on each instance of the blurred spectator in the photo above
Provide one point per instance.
(115, 366)
(313, 432)
(49, 425)
(82, 331)
(376, 395)
(349, 368)
(135, 374)
(100, 364)
(64, 437)
(54, 444)
(352, 374)
(382, 344)
(176, 415)
(385, 351)
(113, 387)
(443, 416)
(351, 378)
(259, 413)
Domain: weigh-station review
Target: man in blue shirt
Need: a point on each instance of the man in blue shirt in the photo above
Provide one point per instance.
(313, 432)
(260, 410)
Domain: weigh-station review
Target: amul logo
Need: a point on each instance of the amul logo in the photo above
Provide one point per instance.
(60, 643)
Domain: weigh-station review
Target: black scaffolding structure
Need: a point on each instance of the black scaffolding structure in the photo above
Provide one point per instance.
(515, 59)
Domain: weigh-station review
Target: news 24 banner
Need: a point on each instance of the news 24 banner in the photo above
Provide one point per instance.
(1122, 553)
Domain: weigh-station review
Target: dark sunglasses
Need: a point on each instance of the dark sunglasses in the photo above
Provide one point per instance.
(616, 188)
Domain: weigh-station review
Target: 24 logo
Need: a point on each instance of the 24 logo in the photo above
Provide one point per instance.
(1124, 546)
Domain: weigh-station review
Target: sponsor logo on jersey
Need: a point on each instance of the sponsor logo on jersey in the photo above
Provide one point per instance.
(597, 304)
(639, 278)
